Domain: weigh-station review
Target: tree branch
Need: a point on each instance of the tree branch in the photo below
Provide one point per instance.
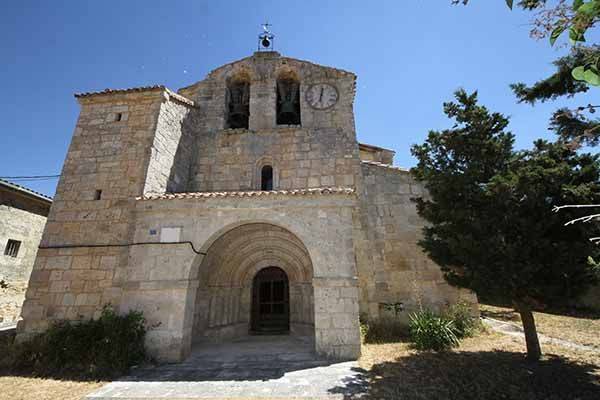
(585, 219)
(558, 208)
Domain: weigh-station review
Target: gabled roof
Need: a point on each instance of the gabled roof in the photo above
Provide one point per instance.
(268, 55)
(25, 191)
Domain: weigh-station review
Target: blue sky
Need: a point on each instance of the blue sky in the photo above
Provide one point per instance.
(409, 56)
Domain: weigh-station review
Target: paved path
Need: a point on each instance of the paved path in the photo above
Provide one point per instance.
(257, 367)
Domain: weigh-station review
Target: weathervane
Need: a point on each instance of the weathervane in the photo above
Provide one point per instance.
(265, 38)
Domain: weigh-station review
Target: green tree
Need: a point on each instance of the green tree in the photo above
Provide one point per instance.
(576, 72)
(491, 227)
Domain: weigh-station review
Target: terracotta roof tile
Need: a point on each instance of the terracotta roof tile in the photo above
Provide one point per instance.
(252, 193)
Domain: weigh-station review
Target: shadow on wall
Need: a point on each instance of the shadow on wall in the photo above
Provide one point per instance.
(173, 150)
(475, 375)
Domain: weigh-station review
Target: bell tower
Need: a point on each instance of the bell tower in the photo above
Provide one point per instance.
(288, 99)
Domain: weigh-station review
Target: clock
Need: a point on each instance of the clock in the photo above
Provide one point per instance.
(322, 96)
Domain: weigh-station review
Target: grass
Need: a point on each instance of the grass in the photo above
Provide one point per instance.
(489, 365)
(582, 327)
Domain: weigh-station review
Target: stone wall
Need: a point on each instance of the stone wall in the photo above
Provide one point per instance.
(108, 240)
(392, 267)
(321, 152)
(300, 158)
(11, 301)
(376, 154)
(173, 150)
(78, 269)
(162, 280)
(26, 227)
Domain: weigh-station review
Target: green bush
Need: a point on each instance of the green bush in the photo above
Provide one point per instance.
(429, 331)
(102, 348)
(465, 325)
(382, 330)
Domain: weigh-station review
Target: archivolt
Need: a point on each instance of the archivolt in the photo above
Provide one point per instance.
(234, 258)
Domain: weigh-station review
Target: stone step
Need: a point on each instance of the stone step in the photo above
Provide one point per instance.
(326, 382)
(213, 371)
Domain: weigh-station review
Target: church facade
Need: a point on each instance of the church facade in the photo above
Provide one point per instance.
(242, 204)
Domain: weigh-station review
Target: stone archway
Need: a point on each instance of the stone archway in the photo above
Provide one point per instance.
(223, 303)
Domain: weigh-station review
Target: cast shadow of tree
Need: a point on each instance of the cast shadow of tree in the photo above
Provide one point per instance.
(475, 375)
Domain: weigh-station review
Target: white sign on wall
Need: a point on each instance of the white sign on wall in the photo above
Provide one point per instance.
(170, 234)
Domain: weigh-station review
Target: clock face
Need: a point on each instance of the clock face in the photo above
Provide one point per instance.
(322, 96)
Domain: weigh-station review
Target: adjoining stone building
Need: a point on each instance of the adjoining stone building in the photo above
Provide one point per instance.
(240, 204)
(23, 215)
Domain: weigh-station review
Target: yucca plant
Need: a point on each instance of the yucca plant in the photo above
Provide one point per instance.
(429, 331)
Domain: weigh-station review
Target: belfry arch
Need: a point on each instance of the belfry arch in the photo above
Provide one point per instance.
(223, 307)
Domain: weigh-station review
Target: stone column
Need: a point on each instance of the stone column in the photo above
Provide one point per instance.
(337, 329)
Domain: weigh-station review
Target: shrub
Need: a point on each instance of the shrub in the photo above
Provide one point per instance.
(382, 330)
(465, 325)
(102, 348)
(432, 332)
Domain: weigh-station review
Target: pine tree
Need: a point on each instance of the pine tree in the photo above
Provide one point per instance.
(489, 211)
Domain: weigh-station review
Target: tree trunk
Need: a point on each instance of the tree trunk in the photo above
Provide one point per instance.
(534, 351)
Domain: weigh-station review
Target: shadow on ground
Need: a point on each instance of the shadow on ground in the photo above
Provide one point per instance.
(476, 375)
(503, 315)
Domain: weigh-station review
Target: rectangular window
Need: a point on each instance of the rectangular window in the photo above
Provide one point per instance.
(12, 248)
(98, 195)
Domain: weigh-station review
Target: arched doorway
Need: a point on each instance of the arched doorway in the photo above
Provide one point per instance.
(270, 302)
(241, 260)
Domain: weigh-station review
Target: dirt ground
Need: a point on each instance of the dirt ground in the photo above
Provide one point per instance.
(577, 326)
(489, 366)
(23, 388)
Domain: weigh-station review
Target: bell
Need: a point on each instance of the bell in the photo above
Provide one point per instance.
(238, 116)
(288, 113)
(265, 42)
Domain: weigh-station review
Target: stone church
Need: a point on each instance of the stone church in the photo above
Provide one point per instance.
(241, 204)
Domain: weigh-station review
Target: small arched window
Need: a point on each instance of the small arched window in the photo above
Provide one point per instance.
(266, 178)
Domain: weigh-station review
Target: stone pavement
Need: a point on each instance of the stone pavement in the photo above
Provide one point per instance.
(255, 367)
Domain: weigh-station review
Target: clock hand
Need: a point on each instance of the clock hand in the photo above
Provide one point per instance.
(321, 96)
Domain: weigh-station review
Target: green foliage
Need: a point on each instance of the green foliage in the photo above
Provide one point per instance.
(560, 83)
(382, 330)
(575, 129)
(491, 226)
(93, 349)
(465, 324)
(429, 331)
